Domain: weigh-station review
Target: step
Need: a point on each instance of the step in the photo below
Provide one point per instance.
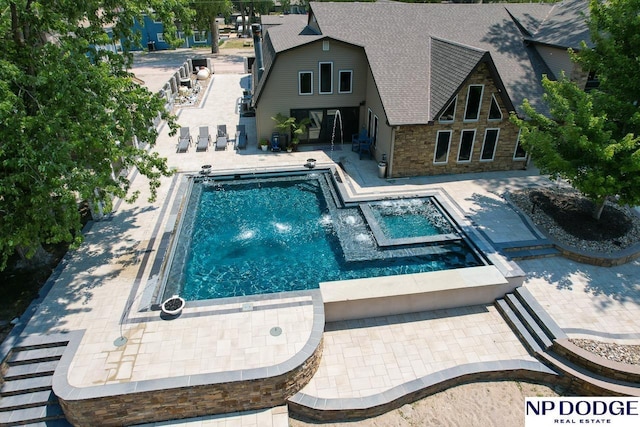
(27, 400)
(20, 417)
(30, 370)
(525, 244)
(529, 321)
(545, 321)
(36, 355)
(26, 385)
(597, 382)
(518, 327)
(529, 253)
(34, 346)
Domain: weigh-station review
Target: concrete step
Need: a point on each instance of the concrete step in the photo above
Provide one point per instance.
(525, 244)
(529, 321)
(27, 400)
(25, 385)
(518, 327)
(37, 355)
(543, 319)
(593, 384)
(30, 370)
(36, 414)
(38, 345)
(537, 253)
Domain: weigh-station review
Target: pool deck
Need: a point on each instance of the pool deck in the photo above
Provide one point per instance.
(101, 287)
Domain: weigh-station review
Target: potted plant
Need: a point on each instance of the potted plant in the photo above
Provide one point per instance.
(298, 129)
(290, 126)
(173, 306)
(264, 144)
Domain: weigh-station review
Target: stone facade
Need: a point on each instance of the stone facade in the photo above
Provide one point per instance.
(166, 403)
(415, 145)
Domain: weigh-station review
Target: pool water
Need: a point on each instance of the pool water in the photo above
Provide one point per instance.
(401, 219)
(246, 238)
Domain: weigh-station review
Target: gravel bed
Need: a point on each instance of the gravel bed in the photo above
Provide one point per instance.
(629, 354)
(522, 200)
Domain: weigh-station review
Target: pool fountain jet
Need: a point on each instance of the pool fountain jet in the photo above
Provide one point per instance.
(333, 132)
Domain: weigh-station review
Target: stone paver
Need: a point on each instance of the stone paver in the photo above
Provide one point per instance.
(101, 288)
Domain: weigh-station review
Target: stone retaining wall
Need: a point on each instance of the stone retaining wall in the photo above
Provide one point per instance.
(165, 403)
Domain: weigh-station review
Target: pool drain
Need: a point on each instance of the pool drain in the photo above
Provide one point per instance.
(275, 331)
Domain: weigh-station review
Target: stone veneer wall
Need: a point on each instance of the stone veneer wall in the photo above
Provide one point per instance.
(185, 402)
(415, 144)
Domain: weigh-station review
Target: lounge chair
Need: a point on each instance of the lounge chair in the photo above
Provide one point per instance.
(204, 139)
(275, 141)
(241, 137)
(184, 140)
(223, 138)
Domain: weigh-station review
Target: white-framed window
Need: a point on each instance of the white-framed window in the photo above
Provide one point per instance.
(325, 45)
(474, 101)
(519, 153)
(489, 144)
(369, 120)
(200, 37)
(305, 82)
(443, 143)
(449, 114)
(160, 37)
(495, 112)
(345, 81)
(325, 77)
(465, 150)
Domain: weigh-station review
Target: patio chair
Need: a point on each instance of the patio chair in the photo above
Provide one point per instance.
(366, 147)
(241, 137)
(222, 138)
(204, 139)
(184, 140)
(275, 141)
(358, 138)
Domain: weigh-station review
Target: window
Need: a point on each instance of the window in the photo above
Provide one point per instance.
(466, 145)
(520, 153)
(489, 144)
(369, 120)
(325, 45)
(326, 77)
(494, 112)
(474, 99)
(449, 113)
(305, 83)
(345, 81)
(160, 37)
(200, 37)
(443, 141)
(373, 133)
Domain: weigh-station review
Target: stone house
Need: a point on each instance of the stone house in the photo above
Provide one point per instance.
(433, 85)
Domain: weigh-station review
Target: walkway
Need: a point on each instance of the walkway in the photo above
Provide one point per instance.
(104, 284)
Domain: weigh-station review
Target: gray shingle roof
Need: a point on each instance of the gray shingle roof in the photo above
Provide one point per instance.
(565, 26)
(418, 52)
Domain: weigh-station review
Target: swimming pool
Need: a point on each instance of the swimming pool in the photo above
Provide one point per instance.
(263, 235)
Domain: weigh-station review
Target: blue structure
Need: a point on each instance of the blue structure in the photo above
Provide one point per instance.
(153, 39)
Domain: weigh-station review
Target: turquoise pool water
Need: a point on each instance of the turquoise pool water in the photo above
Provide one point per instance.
(285, 234)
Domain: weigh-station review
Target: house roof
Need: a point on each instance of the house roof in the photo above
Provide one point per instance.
(419, 53)
(565, 26)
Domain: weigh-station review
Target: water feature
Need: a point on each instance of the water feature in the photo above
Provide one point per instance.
(337, 117)
(282, 234)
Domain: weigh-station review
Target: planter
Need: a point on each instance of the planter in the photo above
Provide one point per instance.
(264, 147)
(173, 306)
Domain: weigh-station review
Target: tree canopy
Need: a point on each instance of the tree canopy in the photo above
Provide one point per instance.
(591, 138)
(69, 112)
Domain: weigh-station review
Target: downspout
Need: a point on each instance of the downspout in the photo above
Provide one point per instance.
(257, 46)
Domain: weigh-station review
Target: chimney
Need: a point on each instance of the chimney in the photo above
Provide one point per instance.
(257, 45)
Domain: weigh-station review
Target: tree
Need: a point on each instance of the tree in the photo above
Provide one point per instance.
(205, 17)
(591, 139)
(70, 115)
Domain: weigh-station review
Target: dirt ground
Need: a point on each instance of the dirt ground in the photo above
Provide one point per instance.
(485, 404)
